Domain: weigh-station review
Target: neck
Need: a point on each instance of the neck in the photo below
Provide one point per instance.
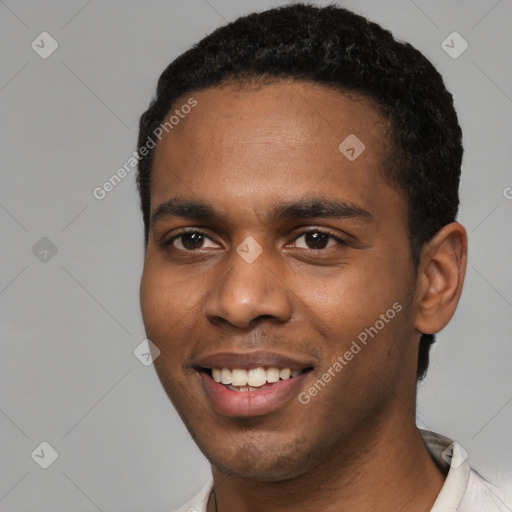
(383, 469)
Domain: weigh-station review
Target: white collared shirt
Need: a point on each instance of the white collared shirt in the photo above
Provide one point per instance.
(464, 490)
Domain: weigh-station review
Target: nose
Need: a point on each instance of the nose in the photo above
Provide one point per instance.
(247, 293)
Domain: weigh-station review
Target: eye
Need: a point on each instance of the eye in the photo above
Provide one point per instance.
(316, 240)
(189, 241)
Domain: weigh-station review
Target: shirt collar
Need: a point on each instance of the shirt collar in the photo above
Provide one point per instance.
(451, 457)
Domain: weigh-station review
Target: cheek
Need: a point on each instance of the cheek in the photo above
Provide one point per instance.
(154, 300)
(161, 311)
(164, 315)
(165, 295)
(171, 307)
(352, 297)
(362, 311)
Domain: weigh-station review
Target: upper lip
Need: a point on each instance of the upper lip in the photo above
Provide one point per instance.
(248, 360)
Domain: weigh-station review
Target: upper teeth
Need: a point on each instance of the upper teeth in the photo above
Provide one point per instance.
(255, 377)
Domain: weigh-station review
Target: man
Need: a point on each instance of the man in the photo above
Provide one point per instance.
(299, 181)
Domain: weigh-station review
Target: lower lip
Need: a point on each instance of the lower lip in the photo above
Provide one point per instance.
(250, 403)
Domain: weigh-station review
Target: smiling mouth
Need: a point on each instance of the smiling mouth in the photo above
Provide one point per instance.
(253, 379)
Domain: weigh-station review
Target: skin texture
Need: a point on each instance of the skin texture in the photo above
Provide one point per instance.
(243, 150)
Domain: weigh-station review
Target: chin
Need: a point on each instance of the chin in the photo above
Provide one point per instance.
(259, 459)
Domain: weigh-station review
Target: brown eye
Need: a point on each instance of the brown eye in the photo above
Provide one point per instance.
(315, 240)
(190, 241)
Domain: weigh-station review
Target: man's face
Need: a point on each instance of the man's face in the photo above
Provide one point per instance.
(250, 266)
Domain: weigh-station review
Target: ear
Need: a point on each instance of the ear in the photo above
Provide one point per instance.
(441, 272)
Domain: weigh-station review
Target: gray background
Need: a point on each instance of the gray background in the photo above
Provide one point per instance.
(70, 321)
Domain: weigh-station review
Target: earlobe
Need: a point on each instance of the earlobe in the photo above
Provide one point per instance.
(441, 274)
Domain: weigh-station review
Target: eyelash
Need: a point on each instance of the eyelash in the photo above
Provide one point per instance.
(340, 241)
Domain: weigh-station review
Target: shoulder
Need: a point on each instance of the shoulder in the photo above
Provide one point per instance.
(464, 489)
(482, 495)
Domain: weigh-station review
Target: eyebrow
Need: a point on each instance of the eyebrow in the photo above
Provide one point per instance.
(299, 209)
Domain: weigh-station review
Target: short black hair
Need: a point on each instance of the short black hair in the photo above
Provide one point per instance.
(337, 48)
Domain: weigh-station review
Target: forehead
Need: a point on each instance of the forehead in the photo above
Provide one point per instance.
(255, 144)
